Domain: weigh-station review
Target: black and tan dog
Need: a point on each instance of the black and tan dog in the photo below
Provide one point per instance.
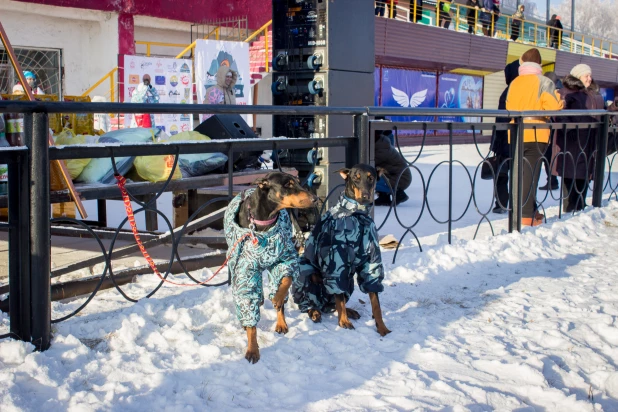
(259, 235)
(343, 244)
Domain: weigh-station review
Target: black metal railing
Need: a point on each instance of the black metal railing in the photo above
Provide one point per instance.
(30, 288)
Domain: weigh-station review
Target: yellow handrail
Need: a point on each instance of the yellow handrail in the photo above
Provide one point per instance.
(189, 47)
(258, 31)
(148, 44)
(109, 75)
(391, 9)
(579, 48)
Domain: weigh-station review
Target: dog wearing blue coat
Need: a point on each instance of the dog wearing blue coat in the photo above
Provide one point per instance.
(258, 231)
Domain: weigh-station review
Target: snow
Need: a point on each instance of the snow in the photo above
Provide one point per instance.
(515, 322)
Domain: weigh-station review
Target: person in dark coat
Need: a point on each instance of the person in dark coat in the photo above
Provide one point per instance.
(573, 152)
(517, 22)
(500, 144)
(555, 34)
(552, 181)
(472, 14)
(419, 11)
(388, 158)
(490, 13)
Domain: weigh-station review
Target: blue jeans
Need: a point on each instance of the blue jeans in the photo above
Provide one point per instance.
(382, 186)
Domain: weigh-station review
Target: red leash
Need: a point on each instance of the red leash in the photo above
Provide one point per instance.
(129, 209)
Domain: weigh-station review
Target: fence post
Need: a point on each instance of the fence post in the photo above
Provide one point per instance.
(516, 176)
(450, 182)
(361, 132)
(40, 241)
(599, 167)
(19, 245)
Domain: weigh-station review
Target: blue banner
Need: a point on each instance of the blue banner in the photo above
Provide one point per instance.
(376, 87)
(608, 95)
(456, 91)
(408, 88)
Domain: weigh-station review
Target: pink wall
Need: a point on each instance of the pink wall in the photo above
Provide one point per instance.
(191, 11)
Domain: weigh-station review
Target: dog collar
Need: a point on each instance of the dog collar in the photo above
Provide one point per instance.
(261, 222)
(264, 222)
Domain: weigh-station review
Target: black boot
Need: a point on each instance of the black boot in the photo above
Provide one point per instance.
(400, 197)
(384, 199)
(552, 184)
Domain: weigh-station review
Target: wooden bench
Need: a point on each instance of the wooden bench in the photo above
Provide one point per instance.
(212, 185)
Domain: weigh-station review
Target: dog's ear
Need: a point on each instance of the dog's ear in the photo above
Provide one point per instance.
(381, 172)
(262, 183)
(345, 172)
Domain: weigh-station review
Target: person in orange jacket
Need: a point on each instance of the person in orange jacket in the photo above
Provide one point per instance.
(532, 91)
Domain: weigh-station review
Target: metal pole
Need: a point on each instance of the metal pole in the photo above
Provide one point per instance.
(599, 167)
(102, 212)
(547, 12)
(19, 247)
(516, 176)
(572, 15)
(450, 181)
(361, 132)
(40, 241)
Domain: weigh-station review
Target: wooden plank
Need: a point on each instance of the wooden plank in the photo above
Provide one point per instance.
(86, 285)
(127, 250)
(111, 191)
(181, 207)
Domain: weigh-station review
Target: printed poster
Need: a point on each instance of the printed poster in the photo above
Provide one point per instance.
(408, 88)
(457, 91)
(212, 54)
(172, 78)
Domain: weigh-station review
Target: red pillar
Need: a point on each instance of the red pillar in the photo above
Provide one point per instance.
(126, 34)
(126, 45)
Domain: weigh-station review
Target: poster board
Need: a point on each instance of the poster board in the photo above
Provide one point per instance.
(408, 88)
(456, 91)
(212, 54)
(173, 80)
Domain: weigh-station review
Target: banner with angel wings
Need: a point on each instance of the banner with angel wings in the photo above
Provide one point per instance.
(408, 88)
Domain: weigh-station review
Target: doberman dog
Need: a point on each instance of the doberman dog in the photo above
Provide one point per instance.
(260, 213)
(342, 244)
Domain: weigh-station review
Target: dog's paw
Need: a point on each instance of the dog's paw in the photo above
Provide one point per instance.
(314, 315)
(252, 355)
(383, 331)
(281, 328)
(352, 314)
(346, 324)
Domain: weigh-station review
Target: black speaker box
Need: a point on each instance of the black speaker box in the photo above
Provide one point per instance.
(225, 126)
(231, 126)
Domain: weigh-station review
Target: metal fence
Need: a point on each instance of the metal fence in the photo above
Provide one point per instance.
(30, 288)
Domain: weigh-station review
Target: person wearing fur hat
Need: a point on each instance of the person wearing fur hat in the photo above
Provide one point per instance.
(224, 91)
(573, 152)
(517, 22)
(532, 91)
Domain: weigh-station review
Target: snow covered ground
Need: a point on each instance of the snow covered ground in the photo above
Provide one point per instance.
(517, 322)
